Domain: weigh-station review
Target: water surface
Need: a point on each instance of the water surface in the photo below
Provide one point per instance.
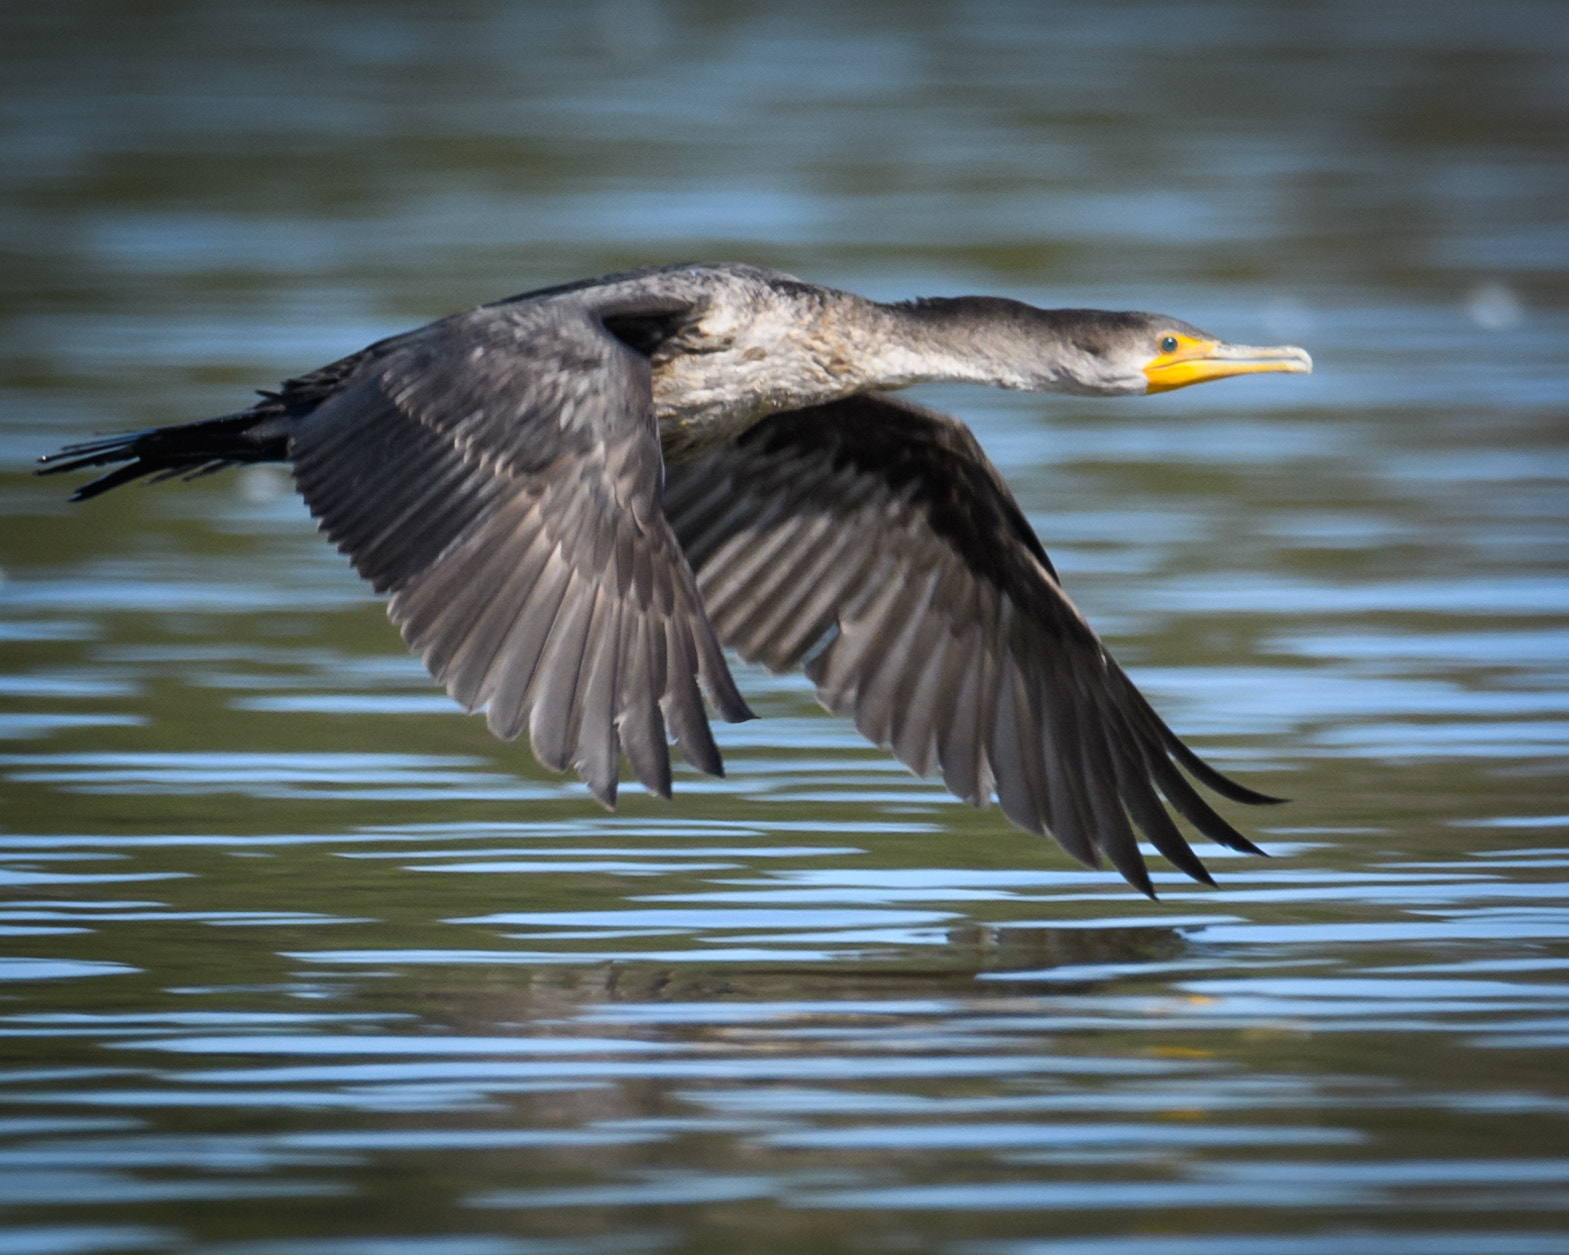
(295, 957)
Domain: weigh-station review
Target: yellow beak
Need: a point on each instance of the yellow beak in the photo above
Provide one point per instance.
(1197, 361)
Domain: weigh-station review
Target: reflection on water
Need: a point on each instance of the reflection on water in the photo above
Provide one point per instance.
(296, 958)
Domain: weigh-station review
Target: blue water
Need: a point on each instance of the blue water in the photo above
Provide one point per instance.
(294, 957)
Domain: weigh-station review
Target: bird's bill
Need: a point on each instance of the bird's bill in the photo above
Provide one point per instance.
(1198, 361)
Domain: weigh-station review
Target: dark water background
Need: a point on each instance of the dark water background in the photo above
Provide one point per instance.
(296, 958)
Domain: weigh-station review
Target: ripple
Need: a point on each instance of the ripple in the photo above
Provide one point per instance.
(918, 1139)
(19, 969)
(1334, 1242)
(272, 775)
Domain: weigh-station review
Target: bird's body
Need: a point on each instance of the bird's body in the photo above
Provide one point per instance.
(575, 495)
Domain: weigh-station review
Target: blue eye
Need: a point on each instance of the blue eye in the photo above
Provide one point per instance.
(1168, 344)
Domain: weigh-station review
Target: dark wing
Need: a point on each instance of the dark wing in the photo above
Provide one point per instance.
(955, 644)
(499, 474)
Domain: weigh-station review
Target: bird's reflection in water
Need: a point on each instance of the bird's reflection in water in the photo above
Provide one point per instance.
(1064, 953)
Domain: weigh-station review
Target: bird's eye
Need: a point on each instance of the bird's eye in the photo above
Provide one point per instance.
(1168, 344)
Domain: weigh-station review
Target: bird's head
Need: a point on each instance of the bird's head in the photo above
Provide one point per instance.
(1105, 353)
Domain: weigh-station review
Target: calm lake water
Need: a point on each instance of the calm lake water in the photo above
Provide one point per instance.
(295, 958)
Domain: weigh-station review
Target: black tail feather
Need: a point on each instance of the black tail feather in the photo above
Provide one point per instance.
(183, 451)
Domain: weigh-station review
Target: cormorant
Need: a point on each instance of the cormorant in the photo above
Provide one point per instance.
(574, 496)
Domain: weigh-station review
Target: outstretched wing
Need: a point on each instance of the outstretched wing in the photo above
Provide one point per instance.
(881, 526)
(499, 474)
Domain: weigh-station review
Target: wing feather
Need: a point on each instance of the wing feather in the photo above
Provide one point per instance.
(880, 528)
(640, 724)
(499, 473)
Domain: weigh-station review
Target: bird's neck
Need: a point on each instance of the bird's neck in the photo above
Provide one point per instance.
(745, 360)
(953, 340)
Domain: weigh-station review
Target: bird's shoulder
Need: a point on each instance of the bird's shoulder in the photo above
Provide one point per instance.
(553, 345)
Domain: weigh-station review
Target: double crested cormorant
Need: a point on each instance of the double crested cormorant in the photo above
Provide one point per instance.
(575, 495)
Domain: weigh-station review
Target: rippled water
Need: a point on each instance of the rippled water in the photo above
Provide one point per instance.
(295, 958)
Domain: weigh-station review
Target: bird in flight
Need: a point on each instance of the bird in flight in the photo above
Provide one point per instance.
(576, 496)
